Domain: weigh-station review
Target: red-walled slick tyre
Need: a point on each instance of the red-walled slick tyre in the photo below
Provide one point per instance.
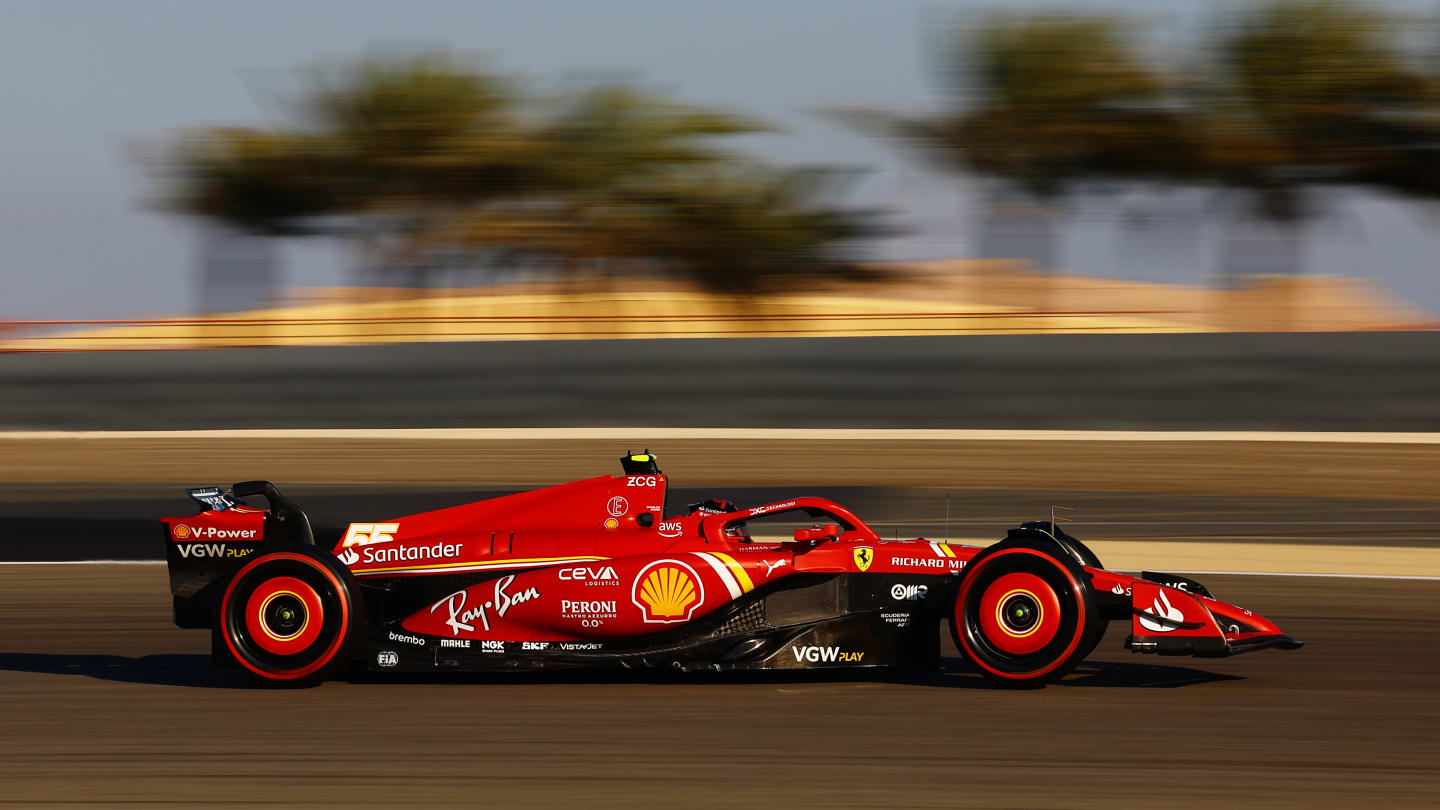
(290, 616)
(1024, 613)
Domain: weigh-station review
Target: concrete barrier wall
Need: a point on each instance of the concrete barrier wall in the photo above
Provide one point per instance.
(1341, 381)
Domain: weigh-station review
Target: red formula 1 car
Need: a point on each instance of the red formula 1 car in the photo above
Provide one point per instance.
(599, 573)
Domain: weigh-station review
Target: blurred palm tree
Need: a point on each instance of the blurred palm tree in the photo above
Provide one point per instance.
(734, 227)
(595, 146)
(1291, 96)
(377, 152)
(742, 228)
(1049, 101)
(427, 164)
(1307, 94)
(1042, 105)
(269, 183)
(418, 131)
(604, 136)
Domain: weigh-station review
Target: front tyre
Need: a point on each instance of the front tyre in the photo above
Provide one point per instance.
(290, 616)
(1024, 615)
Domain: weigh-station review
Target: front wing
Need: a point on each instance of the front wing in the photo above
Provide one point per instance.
(1174, 615)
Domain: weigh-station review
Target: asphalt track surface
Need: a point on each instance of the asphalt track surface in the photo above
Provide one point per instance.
(1340, 381)
(106, 704)
(58, 522)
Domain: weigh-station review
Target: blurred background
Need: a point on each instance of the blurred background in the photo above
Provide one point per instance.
(1169, 265)
(1164, 166)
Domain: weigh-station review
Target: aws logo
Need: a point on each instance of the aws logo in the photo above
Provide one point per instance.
(667, 591)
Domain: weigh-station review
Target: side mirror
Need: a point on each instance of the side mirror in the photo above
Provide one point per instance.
(816, 533)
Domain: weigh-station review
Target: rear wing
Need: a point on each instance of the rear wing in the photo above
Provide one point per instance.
(213, 498)
(290, 520)
(201, 550)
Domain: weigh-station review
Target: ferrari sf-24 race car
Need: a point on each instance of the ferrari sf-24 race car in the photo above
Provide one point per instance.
(600, 573)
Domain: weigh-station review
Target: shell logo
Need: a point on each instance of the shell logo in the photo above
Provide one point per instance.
(182, 531)
(667, 591)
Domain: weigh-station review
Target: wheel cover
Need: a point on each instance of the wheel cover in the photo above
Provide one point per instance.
(284, 615)
(276, 646)
(1019, 613)
(1019, 647)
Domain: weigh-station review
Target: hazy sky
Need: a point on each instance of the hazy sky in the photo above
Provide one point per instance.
(82, 84)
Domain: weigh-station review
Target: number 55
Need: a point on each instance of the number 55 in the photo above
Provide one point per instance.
(367, 534)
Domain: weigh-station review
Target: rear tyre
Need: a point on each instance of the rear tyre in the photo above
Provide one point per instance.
(1024, 613)
(290, 617)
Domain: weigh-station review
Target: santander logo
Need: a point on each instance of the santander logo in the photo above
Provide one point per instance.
(1162, 607)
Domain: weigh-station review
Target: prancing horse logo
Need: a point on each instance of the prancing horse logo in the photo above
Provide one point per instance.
(864, 555)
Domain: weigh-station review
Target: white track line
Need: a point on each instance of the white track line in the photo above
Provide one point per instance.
(772, 434)
(1202, 573)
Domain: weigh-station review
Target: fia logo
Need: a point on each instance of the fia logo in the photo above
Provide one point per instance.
(387, 658)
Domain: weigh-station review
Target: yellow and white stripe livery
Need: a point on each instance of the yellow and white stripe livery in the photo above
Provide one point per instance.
(730, 571)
